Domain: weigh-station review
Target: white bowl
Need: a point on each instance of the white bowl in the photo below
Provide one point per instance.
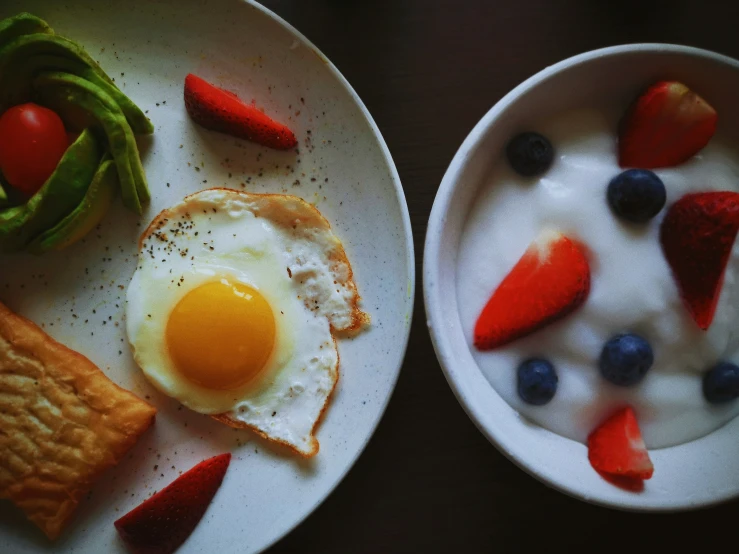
(690, 475)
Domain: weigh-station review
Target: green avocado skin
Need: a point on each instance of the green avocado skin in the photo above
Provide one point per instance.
(86, 216)
(22, 24)
(76, 99)
(39, 66)
(24, 56)
(9, 196)
(60, 195)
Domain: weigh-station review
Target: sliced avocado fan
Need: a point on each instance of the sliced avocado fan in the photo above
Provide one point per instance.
(22, 24)
(86, 216)
(27, 54)
(59, 195)
(36, 65)
(78, 101)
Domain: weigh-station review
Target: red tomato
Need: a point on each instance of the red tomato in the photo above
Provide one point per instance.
(32, 141)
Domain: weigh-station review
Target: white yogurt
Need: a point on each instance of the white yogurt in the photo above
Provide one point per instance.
(632, 288)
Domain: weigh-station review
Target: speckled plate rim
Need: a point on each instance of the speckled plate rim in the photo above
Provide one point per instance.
(410, 255)
(440, 321)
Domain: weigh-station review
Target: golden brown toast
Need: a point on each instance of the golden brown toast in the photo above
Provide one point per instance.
(62, 423)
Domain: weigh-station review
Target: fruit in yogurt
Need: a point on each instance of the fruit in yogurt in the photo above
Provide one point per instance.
(530, 154)
(636, 195)
(223, 111)
(625, 359)
(697, 237)
(537, 381)
(664, 127)
(587, 195)
(616, 447)
(721, 383)
(550, 281)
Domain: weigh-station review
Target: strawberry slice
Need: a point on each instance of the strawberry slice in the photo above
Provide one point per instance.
(665, 126)
(162, 523)
(550, 280)
(616, 447)
(222, 111)
(697, 236)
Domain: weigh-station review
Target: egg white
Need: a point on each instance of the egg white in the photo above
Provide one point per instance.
(271, 243)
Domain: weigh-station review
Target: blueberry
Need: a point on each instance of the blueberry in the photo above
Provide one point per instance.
(721, 383)
(636, 195)
(625, 359)
(537, 381)
(530, 154)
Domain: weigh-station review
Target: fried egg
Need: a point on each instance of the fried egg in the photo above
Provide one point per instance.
(234, 308)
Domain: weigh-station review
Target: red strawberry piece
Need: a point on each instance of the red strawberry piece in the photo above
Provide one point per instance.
(665, 126)
(616, 447)
(222, 111)
(162, 523)
(697, 236)
(550, 280)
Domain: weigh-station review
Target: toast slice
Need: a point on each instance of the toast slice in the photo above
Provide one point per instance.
(62, 423)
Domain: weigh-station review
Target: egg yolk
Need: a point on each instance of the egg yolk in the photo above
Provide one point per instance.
(220, 335)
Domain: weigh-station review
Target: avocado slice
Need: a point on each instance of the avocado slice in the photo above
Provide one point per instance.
(78, 101)
(17, 67)
(61, 193)
(16, 87)
(22, 24)
(86, 216)
(10, 196)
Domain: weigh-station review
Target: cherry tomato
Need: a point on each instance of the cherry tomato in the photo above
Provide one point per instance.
(32, 141)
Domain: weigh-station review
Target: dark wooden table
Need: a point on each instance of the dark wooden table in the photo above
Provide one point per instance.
(427, 71)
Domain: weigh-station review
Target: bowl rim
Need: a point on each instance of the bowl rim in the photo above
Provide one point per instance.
(432, 294)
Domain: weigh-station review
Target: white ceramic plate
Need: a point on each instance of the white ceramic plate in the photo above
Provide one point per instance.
(690, 475)
(343, 166)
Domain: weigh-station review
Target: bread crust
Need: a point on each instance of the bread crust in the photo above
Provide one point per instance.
(62, 423)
